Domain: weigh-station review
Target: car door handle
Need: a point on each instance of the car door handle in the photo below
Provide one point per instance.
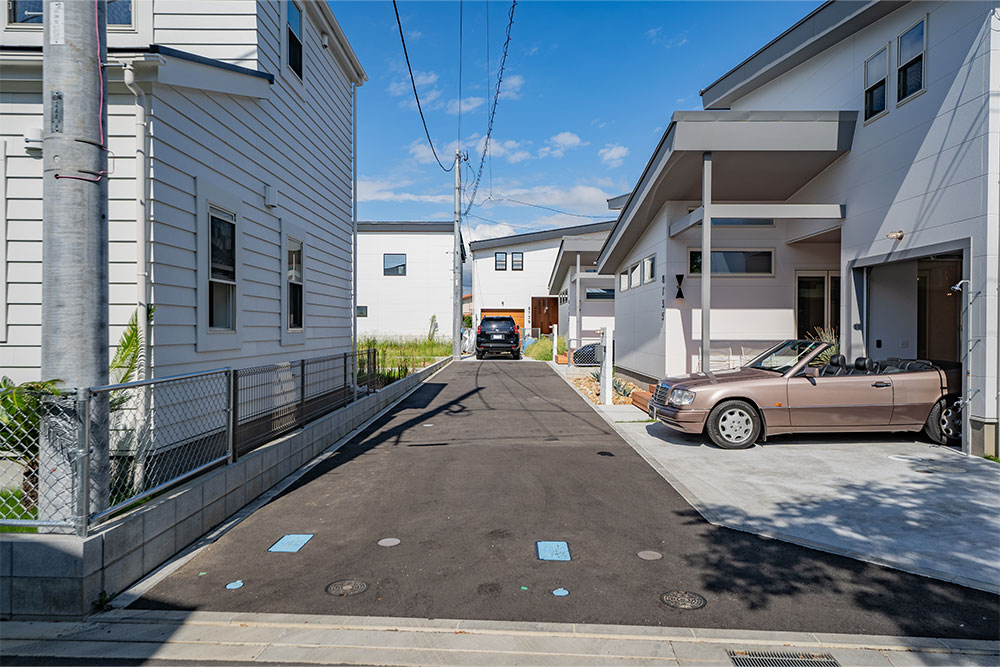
(881, 384)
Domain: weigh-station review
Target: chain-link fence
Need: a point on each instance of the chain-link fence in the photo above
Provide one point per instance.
(75, 458)
(583, 351)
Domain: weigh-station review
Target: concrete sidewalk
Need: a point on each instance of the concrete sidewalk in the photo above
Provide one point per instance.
(134, 637)
(889, 498)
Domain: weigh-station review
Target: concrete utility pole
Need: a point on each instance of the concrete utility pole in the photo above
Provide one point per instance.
(74, 238)
(456, 326)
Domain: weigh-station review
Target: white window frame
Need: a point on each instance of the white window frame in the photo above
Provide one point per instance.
(288, 74)
(646, 279)
(140, 33)
(587, 297)
(208, 194)
(623, 281)
(923, 63)
(635, 270)
(865, 87)
(290, 230)
(691, 249)
(3, 241)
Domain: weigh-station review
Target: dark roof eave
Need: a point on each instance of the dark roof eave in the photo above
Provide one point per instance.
(544, 235)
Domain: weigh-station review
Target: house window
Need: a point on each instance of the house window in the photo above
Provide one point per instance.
(294, 29)
(500, 261)
(734, 262)
(876, 75)
(564, 297)
(222, 273)
(394, 265)
(600, 293)
(517, 261)
(296, 302)
(362, 311)
(29, 12)
(649, 269)
(910, 71)
(634, 276)
(623, 281)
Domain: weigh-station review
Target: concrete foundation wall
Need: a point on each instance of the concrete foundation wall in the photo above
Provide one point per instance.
(64, 575)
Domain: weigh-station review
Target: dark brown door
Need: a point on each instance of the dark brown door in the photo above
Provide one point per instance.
(544, 313)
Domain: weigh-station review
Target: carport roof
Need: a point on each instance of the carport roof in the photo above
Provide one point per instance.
(588, 249)
(757, 156)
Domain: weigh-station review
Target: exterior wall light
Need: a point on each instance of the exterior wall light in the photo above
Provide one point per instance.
(680, 292)
(895, 236)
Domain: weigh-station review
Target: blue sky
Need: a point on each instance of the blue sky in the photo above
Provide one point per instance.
(588, 89)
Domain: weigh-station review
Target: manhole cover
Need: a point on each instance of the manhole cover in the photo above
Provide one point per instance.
(347, 587)
(650, 555)
(605, 454)
(940, 468)
(781, 659)
(683, 600)
(388, 541)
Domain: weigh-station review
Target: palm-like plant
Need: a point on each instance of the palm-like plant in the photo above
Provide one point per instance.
(825, 335)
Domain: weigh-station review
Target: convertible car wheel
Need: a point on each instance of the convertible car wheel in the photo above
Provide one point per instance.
(944, 423)
(733, 425)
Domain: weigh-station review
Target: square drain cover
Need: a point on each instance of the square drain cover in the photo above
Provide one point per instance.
(781, 659)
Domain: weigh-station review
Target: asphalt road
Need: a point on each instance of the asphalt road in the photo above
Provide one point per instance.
(490, 457)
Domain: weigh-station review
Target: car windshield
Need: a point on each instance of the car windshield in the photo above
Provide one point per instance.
(785, 356)
(498, 324)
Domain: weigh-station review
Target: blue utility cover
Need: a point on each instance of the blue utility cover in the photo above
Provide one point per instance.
(290, 543)
(549, 550)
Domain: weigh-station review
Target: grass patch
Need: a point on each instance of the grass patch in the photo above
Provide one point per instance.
(990, 457)
(541, 349)
(11, 508)
(392, 350)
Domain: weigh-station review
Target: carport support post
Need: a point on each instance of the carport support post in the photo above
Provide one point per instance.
(607, 366)
(706, 264)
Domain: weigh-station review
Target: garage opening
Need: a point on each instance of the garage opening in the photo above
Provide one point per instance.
(913, 312)
(517, 314)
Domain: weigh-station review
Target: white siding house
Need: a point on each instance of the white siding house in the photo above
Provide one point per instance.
(406, 279)
(850, 167)
(249, 114)
(586, 299)
(509, 272)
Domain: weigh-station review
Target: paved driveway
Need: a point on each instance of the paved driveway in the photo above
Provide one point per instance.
(490, 457)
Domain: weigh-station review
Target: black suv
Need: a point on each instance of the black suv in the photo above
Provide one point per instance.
(498, 334)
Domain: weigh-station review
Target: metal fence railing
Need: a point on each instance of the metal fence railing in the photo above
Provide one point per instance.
(71, 459)
(583, 351)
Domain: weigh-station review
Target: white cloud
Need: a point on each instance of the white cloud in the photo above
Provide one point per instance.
(653, 34)
(532, 51)
(467, 104)
(583, 199)
(383, 190)
(421, 152)
(558, 144)
(598, 122)
(489, 230)
(510, 87)
(511, 150)
(424, 78)
(414, 35)
(613, 154)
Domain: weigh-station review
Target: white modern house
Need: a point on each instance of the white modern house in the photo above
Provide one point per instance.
(406, 282)
(232, 156)
(586, 298)
(510, 275)
(849, 170)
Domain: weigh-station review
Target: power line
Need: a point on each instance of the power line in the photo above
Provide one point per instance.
(547, 208)
(489, 79)
(413, 83)
(493, 109)
(461, 21)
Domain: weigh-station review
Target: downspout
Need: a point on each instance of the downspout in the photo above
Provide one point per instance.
(141, 222)
(354, 235)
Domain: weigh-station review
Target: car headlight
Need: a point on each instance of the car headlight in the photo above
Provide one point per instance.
(681, 397)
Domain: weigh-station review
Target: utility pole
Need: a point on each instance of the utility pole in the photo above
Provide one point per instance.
(74, 241)
(456, 326)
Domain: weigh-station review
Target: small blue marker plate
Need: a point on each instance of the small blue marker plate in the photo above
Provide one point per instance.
(290, 543)
(557, 550)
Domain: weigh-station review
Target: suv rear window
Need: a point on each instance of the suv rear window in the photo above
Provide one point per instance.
(498, 323)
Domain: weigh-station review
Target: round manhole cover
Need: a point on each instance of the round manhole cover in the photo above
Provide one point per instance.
(683, 600)
(347, 587)
(940, 468)
(605, 454)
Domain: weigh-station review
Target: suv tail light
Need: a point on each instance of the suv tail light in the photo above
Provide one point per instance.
(479, 329)
(517, 329)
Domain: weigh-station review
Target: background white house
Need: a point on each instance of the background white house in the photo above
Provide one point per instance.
(853, 173)
(510, 275)
(406, 278)
(586, 298)
(249, 114)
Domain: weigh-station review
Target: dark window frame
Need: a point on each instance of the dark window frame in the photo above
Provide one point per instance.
(394, 272)
(599, 293)
(697, 251)
(222, 274)
(296, 289)
(517, 261)
(498, 264)
(903, 68)
(361, 311)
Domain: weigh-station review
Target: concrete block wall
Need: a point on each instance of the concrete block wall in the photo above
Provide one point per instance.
(60, 576)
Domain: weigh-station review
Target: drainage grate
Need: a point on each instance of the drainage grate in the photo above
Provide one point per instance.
(683, 600)
(346, 587)
(781, 659)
